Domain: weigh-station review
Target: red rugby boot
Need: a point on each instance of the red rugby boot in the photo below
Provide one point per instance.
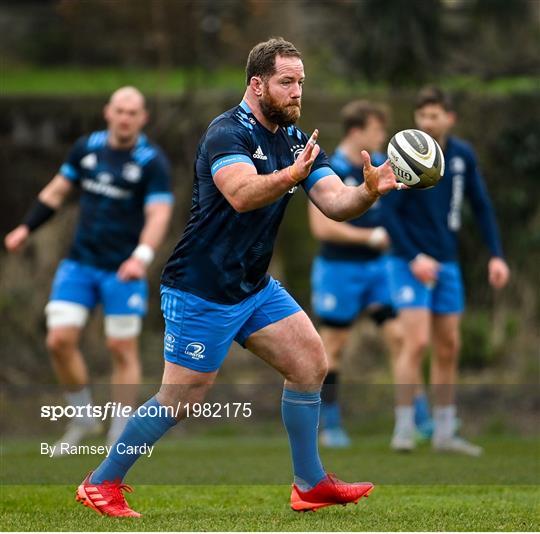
(329, 491)
(105, 498)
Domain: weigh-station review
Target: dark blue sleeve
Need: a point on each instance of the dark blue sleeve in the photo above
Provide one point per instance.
(477, 194)
(71, 168)
(391, 204)
(158, 184)
(227, 144)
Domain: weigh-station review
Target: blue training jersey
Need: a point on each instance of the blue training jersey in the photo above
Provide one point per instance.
(115, 186)
(223, 255)
(427, 221)
(353, 175)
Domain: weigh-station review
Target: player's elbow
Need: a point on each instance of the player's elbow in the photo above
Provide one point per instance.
(240, 205)
(332, 209)
(340, 217)
(236, 198)
(336, 214)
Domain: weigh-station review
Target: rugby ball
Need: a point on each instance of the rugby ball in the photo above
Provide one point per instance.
(416, 158)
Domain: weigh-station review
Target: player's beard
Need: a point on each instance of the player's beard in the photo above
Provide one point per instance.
(279, 114)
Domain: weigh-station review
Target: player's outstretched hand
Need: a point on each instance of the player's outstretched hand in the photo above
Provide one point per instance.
(498, 273)
(16, 239)
(379, 180)
(301, 168)
(131, 269)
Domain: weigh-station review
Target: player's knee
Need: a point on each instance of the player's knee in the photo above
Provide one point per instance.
(418, 344)
(60, 343)
(322, 371)
(123, 351)
(319, 360)
(314, 374)
(448, 348)
(176, 395)
(454, 346)
(313, 367)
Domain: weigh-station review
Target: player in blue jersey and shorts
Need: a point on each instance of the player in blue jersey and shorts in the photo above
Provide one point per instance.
(215, 287)
(425, 274)
(349, 276)
(125, 208)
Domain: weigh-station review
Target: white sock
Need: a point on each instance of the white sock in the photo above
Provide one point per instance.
(404, 420)
(82, 397)
(444, 420)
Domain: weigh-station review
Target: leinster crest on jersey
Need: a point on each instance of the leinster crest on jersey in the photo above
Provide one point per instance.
(296, 151)
(131, 172)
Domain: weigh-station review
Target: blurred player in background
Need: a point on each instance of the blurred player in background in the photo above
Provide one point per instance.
(349, 275)
(425, 276)
(125, 208)
(215, 286)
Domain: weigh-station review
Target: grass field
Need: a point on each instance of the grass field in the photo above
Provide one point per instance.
(75, 81)
(241, 508)
(421, 491)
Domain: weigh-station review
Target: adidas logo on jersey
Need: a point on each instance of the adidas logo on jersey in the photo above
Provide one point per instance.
(259, 154)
